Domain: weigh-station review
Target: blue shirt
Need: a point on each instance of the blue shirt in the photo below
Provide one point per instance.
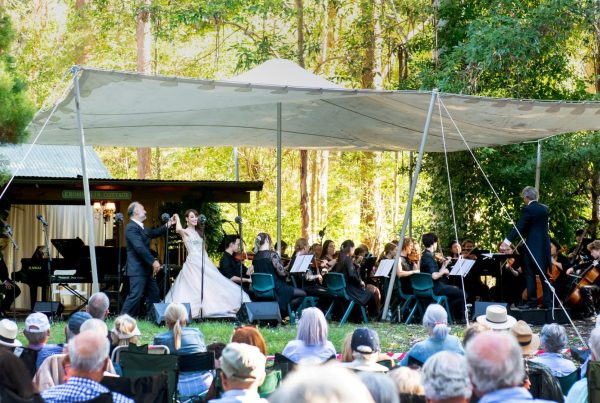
(298, 351)
(79, 390)
(47, 351)
(240, 396)
(192, 341)
(578, 392)
(510, 395)
(426, 348)
(559, 365)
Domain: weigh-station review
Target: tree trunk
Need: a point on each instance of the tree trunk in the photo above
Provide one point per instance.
(314, 187)
(323, 188)
(143, 35)
(595, 179)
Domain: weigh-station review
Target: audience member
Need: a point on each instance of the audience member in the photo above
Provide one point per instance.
(183, 340)
(496, 368)
(88, 355)
(37, 332)
(242, 372)
(347, 348)
(553, 340)
(8, 335)
(579, 391)
(328, 383)
(125, 331)
(365, 351)
(98, 305)
(250, 335)
(435, 321)
(74, 324)
(14, 387)
(529, 341)
(94, 325)
(496, 318)
(217, 349)
(472, 330)
(446, 378)
(382, 388)
(311, 344)
(408, 380)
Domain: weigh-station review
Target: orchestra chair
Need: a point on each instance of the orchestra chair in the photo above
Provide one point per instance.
(308, 301)
(422, 285)
(336, 286)
(567, 381)
(263, 287)
(408, 302)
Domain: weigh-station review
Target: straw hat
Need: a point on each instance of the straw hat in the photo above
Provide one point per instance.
(529, 341)
(8, 333)
(497, 318)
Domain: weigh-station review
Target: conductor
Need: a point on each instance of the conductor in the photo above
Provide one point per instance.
(533, 226)
(142, 266)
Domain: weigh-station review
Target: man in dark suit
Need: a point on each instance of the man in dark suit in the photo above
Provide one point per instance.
(142, 266)
(533, 227)
(7, 287)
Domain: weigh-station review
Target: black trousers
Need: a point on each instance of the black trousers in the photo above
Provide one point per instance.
(138, 287)
(531, 284)
(9, 297)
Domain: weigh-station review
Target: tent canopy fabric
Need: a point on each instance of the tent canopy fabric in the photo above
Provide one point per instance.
(132, 109)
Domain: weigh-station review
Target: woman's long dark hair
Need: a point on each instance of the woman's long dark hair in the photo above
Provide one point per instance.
(198, 227)
(12, 371)
(325, 247)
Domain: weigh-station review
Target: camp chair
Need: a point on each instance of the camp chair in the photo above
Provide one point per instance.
(422, 284)
(593, 377)
(263, 286)
(101, 398)
(147, 389)
(194, 364)
(567, 381)
(272, 382)
(336, 286)
(146, 349)
(136, 365)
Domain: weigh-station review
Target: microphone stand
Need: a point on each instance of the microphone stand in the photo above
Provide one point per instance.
(118, 221)
(15, 247)
(202, 226)
(239, 221)
(166, 263)
(49, 263)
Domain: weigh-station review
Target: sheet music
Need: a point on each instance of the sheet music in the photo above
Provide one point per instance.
(462, 267)
(301, 263)
(384, 268)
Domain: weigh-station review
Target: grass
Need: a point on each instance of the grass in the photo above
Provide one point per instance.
(393, 337)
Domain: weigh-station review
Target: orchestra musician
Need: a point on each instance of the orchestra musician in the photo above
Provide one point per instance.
(467, 246)
(410, 256)
(533, 226)
(583, 271)
(439, 274)
(312, 280)
(7, 286)
(355, 287)
(266, 260)
(229, 265)
(579, 251)
(473, 284)
(509, 287)
(559, 273)
(329, 254)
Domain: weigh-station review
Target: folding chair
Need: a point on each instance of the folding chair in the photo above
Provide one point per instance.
(272, 381)
(136, 365)
(192, 370)
(336, 287)
(567, 381)
(147, 389)
(263, 286)
(593, 377)
(422, 284)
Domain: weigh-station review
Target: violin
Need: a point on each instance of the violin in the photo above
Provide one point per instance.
(413, 256)
(241, 256)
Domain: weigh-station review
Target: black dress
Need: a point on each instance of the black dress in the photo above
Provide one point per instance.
(268, 262)
(345, 265)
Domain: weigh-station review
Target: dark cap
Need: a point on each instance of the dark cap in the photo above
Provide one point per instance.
(365, 340)
(76, 320)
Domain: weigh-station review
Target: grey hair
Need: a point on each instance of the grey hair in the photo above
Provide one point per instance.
(131, 208)
(94, 325)
(35, 337)
(89, 362)
(495, 361)
(407, 380)
(530, 193)
(554, 337)
(312, 327)
(382, 388)
(435, 320)
(594, 343)
(314, 385)
(98, 305)
(445, 375)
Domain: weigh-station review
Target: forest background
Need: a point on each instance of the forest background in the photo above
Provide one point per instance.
(546, 49)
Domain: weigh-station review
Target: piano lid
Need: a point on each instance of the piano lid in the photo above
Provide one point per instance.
(71, 248)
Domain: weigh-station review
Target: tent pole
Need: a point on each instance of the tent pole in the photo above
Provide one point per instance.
(410, 174)
(407, 213)
(538, 166)
(236, 163)
(89, 215)
(279, 178)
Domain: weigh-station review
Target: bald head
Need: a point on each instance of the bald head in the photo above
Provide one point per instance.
(88, 352)
(495, 361)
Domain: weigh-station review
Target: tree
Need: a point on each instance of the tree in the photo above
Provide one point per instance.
(144, 58)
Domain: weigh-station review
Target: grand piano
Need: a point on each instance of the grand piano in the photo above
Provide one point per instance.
(75, 255)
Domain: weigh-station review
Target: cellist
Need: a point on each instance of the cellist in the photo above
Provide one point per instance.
(560, 270)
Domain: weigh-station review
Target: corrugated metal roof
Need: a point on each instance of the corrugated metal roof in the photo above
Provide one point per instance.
(51, 161)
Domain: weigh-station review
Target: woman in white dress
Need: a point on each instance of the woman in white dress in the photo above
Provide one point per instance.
(220, 297)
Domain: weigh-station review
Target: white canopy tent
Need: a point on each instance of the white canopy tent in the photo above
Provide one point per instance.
(278, 105)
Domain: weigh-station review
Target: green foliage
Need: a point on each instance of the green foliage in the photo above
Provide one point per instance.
(15, 108)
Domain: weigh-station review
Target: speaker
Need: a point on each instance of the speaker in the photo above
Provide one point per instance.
(481, 306)
(49, 308)
(531, 316)
(559, 316)
(158, 312)
(260, 311)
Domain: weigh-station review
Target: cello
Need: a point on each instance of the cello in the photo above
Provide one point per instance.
(588, 277)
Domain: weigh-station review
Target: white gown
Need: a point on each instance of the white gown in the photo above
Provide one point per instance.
(221, 295)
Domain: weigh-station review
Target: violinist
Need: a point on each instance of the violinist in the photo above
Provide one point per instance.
(560, 270)
(312, 280)
(409, 264)
(510, 289)
(586, 274)
(355, 287)
(579, 252)
(329, 254)
(467, 247)
(439, 274)
(229, 265)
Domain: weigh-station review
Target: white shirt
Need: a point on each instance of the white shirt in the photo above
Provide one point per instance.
(141, 224)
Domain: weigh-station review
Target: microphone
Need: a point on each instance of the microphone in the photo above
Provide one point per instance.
(8, 230)
(238, 220)
(224, 220)
(202, 219)
(41, 218)
(322, 232)
(119, 217)
(165, 217)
